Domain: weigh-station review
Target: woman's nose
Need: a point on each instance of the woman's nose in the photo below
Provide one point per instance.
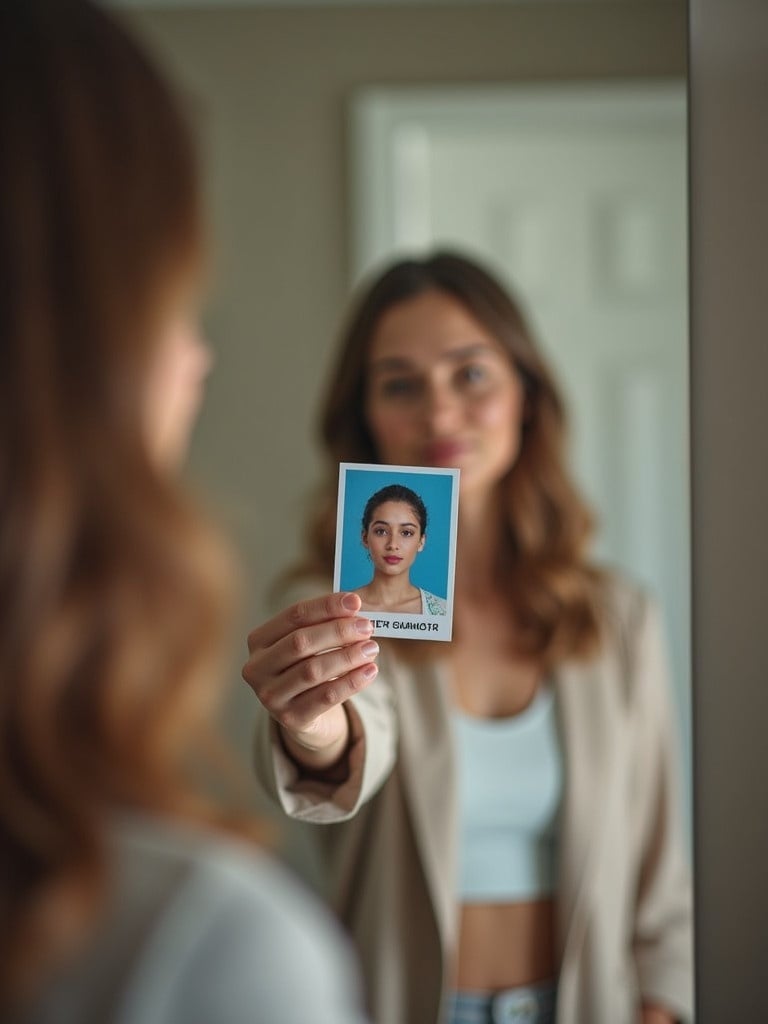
(441, 409)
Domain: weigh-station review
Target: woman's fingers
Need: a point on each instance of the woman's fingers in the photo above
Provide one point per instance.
(310, 658)
(304, 714)
(313, 672)
(302, 615)
(302, 645)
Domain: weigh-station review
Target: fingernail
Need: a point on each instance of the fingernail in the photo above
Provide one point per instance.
(364, 626)
(371, 649)
(369, 671)
(351, 602)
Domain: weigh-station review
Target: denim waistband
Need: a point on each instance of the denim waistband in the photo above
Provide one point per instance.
(528, 1004)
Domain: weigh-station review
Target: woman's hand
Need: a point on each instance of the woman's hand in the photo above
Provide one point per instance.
(303, 664)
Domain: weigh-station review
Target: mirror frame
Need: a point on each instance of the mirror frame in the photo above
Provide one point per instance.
(728, 83)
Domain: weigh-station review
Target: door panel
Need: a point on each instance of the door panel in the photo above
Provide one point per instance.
(576, 197)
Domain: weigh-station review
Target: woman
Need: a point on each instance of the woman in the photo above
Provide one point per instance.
(121, 898)
(506, 835)
(394, 531)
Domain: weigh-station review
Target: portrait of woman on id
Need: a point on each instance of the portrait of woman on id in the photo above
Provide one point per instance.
(394, 531)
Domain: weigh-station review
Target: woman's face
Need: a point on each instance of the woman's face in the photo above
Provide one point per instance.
(442, 392)
(176, 384)
(393, 538)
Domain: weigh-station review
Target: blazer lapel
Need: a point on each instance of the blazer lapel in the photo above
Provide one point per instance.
(590, 727)
(427, 762)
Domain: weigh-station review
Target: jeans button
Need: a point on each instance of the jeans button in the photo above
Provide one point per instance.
(521, 1010)
(527, 1009)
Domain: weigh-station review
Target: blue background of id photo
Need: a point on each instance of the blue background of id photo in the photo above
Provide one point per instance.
(430, 570)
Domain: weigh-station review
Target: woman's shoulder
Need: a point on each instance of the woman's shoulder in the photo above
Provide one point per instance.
(185, 854)
(633, 633)
(622, 599)
(197, 926)
(216, 904)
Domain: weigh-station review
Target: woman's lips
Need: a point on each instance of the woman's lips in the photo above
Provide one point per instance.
(445, 453)
(392, 560)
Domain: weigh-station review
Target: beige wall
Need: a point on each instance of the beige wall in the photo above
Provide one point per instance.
(271, 89)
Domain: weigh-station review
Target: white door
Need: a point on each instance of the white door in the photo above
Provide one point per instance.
(576, 196)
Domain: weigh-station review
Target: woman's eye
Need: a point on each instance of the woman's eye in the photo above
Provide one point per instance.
(474, 373)
(399, 387)
(407, 533)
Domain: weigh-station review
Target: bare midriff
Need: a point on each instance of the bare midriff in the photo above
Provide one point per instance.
(503, 945)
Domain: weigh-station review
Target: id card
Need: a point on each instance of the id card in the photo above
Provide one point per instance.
(396, 546)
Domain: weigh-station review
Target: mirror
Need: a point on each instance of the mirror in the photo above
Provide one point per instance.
(274, 85)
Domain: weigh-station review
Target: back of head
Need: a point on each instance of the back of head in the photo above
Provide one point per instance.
(112, 590)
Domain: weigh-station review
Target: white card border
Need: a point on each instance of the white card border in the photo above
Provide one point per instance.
(402, 625)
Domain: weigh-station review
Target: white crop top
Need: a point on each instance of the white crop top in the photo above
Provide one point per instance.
(510, 781)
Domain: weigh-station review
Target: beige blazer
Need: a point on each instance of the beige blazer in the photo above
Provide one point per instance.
(384, 842)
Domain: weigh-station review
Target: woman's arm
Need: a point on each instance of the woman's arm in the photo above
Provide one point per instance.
(303, 664)
(325, 736)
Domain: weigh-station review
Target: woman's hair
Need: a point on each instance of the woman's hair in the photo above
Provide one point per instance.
(396, 492)
(542, 565)
(114, 593)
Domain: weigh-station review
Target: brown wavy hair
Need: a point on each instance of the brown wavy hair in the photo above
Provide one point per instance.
(114, 591)
(542, 566)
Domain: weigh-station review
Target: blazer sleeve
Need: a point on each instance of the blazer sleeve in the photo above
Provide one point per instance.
(662, 936)
(373, 740)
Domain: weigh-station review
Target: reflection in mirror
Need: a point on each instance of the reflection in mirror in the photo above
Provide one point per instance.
(331, 148)
(273, 86)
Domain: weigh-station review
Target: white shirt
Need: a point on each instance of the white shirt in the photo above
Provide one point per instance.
(202, 930)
